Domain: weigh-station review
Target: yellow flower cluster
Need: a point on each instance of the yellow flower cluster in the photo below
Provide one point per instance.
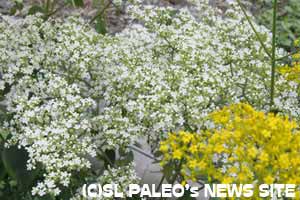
(246, 146)
(297, 42)
(292, 72)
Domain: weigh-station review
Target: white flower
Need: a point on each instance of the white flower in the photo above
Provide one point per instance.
(73, 89)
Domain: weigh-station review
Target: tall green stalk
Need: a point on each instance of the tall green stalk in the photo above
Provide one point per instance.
(47, 7)
(273, 60)
(272, 55)
(254, 30)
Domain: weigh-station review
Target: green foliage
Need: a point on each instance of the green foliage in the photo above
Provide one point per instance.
(14, 161)
(49, 8)
(17, 7)
(35, 9)
(15, 180)
(46, 7)
(100, 25)
(78, 3)
(288, 23)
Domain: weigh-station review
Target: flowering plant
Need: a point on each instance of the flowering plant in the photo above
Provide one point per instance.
(75, 99)
(245, 146)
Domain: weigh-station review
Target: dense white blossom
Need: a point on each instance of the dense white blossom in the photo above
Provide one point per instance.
(73, 90)
(170, 72)
(42, 64)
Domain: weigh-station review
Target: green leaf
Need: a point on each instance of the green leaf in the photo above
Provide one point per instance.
(13, 10)
(101, 26)
(2, 171)
(5, 91)
(78, 3)
(15, 161)
(111, 155)
(35, 9)
(3, 135)
(19, 5)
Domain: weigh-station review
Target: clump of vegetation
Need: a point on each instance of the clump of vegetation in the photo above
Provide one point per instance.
(288, 23)
(244, 146)
(73, 98)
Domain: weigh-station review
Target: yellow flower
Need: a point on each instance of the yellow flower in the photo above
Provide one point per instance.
(193, 149)
(263, 157)
(174, 145)
(232, 170)
(219, 148)
(284, 161)
(297, 42)
(227, 180)
(246, 146)
(163, 148)
(266, 133)
(183, 182)
(242, 177)
(252, 152)
(202, 164)
(291, 73)
(177, 154)
(269, 179)
(186, 138)
(193, 164)
(296, 56)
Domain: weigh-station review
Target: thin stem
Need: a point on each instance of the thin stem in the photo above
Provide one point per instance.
(142, 152)
(47, 7)
(101, 12)
(2, 138)
(286, 56)
(160, 182)
(106, 157)
(177, 172)
(55, 11)
(54, 2)
(254, 30)
(273, 61)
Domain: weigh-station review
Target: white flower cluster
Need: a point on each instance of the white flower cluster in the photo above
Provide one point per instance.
(168, 73)
(40, 63)
(288, 98)
(71, 89)
(117, 3)
(54, 128)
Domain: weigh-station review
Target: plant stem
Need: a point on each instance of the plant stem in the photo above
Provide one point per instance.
(177, 171)
(273, 61)
(55, 11)
(142, 152)
(47, 7)
(286, 56)
(103, 154)
(101, 12)
(254, 30)
(160, 182)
